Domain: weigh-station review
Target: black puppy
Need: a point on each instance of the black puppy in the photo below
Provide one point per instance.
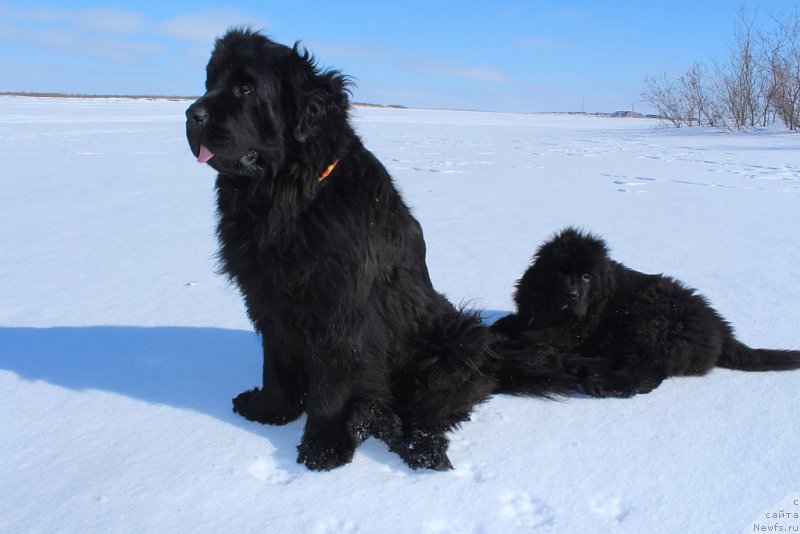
(619, 331)
(331, 265)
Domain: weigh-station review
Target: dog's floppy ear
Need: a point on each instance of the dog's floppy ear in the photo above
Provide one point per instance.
(536, 289)
(531, 294)
(321, 97)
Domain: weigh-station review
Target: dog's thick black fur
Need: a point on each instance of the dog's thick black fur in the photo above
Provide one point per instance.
(619, 331)
(331, 265)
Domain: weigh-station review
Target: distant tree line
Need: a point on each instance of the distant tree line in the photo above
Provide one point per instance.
(756, 85)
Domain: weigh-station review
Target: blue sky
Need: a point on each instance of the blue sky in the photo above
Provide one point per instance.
(507, 56)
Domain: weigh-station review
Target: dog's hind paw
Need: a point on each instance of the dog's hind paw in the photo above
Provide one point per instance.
(254, 405)
(425, 450)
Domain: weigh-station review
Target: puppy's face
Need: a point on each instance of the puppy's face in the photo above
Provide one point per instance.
(565, 290)
(237, 127)
(568, 275)
(572, 294)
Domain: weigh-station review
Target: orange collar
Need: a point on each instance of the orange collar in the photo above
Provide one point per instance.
(327, 171)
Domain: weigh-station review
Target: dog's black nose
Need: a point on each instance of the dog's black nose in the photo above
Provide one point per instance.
(572, 293)
(198, 114)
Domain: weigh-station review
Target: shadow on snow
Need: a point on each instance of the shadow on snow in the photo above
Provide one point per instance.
(200, 369)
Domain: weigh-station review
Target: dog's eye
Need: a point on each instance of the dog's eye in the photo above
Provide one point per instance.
(244, 89)
(586, 278)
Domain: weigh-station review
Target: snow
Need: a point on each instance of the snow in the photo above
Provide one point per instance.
(120, 348)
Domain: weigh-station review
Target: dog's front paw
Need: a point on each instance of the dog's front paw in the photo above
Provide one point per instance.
(254, 405)
(425, 450)
(323, 453)
(576, 370)
(600, 387)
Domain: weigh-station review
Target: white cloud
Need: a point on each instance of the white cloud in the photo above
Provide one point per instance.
(109, 48)
(57, 38)
(349, 50)
(110, 21)
(106, 34)
(207, 25)
(113, 21)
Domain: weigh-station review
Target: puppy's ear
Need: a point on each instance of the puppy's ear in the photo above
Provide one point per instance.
(532, 293)
(321, 98)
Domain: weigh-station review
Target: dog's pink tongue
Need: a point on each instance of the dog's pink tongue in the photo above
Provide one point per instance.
(205, 154)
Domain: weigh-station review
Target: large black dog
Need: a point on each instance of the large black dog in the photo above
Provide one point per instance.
(622, 332)
(331, 265)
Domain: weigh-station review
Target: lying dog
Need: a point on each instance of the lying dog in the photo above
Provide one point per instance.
(621, 332)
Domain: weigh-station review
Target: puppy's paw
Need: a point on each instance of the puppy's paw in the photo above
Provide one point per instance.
(595, 388)
(323, 453)
(600, 387)
(425, 450)
(254, 405)
(576, 370)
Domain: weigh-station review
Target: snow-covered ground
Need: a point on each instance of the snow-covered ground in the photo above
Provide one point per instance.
(120, 348)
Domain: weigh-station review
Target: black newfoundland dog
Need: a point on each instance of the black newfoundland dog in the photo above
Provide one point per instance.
(619, 331)
(331, 265)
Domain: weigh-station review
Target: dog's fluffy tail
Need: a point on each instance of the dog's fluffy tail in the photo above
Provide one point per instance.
(737, 355)
(530, 369)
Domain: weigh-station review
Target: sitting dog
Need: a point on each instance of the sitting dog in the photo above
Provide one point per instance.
(331, 265)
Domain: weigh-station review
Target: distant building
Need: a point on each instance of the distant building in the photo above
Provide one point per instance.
(627, 114)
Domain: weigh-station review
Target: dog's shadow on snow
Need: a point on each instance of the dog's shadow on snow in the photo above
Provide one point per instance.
(199, 369)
